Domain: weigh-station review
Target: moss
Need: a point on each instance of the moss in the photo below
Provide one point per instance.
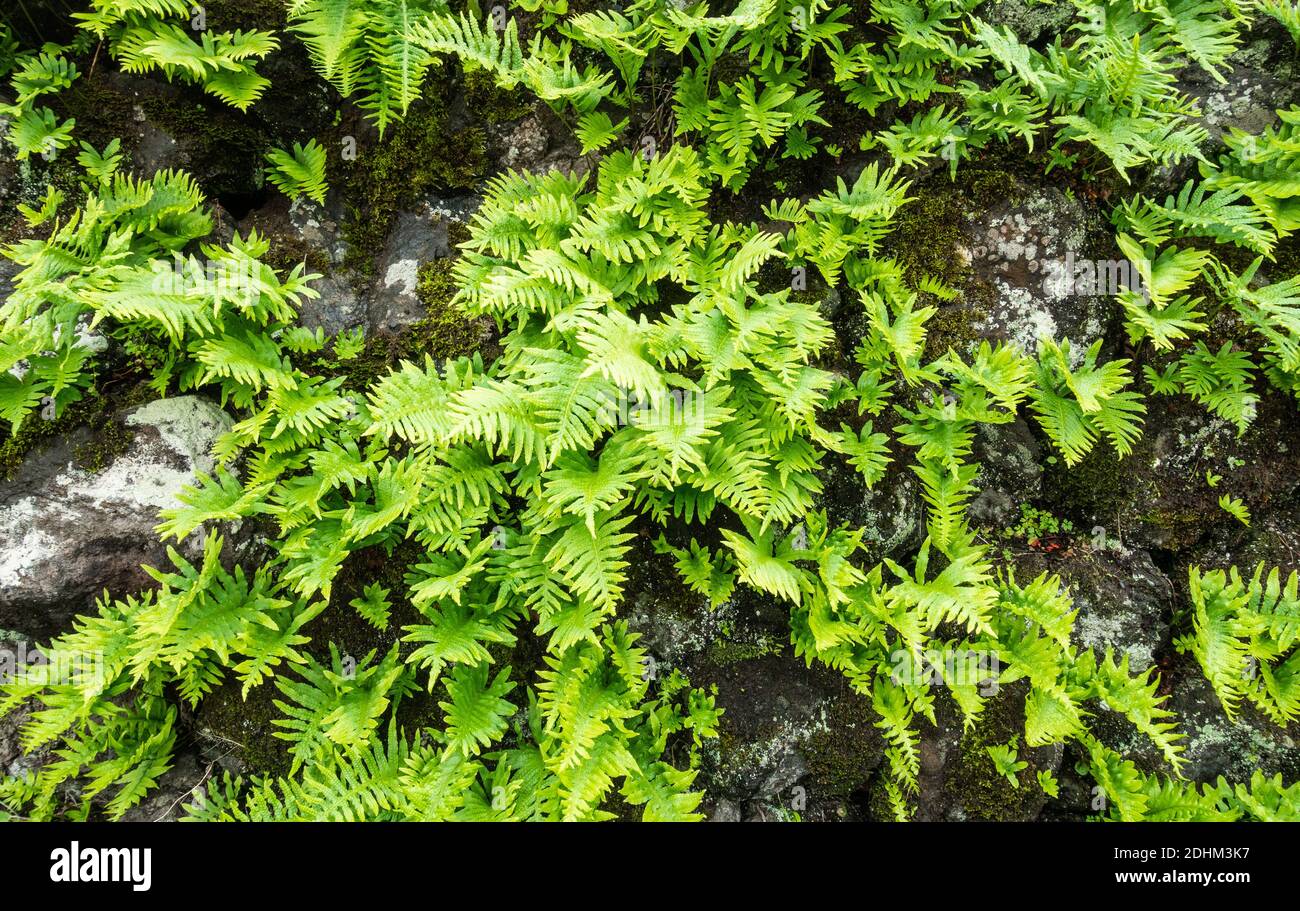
(931, 227)
(242, 726)
(341, 624)
(1096, 486)
(101, 109)
(1286, 259)
(221, 149)
(980, 789)
(96, 410)
(228, 15)
(953, 327)
(837, 757)
(489, 102)
(420, 154)
(725, 652)
(110, 442)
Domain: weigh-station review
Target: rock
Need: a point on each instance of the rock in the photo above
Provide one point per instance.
(340, 306)
(725, 811)
(417, 237)
(306, 232)
(8, 272)
(1009, 474)
(1125, 602)
(1035, 252)
(1273, 539)
(1158, 497)
(318, 228)
(958, 779)
(179, 785)
(66, 534)
(1233, 748)
(1214, 744)
(1028, 20)
(539, 142)
(13, 761)
(526, 145)
(156, 150)
(1262, 76)
(891, 512)
(793, 739)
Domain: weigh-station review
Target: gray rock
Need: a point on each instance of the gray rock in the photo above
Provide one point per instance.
(1008, 456)
(538, 143)
(183, 783)
(417, 237)
(1158, 497)
(526, 145)
(318, 228)
(1261, 78)
(891, 512)
(1214, 744)
(1036, 254)
(340, 306)
(1028, 20)
(1125, 602)
(725, 811)
(794, 739)
(958, 780)
(157, 150)
(1233, 748)
(1273, 539)
(67, 534)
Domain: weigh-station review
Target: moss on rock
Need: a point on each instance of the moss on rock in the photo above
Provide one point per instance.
(424, 152)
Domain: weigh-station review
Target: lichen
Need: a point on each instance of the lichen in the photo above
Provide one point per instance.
(111, 441)
(95, 411)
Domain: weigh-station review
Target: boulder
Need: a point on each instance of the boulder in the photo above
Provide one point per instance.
(67, 534)
(794, 741)
(1124, 602)
(1036, 252)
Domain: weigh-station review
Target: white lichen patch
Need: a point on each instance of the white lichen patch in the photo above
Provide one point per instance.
(189, 424)
(1108, 631)
(403, 275)
(141, 481)
(28, 545)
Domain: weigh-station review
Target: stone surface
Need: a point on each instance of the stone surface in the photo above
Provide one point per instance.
(1124, 602)
(958, 779)
(1028, 20)
(66, 534)
(1158, 496)
(794, 740)
(417, 237)
(891, 511)
(1035, 252)
(1009, 474)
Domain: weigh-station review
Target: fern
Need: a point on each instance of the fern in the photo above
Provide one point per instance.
(301, 173)
(1243, 634)
(1076, 406)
